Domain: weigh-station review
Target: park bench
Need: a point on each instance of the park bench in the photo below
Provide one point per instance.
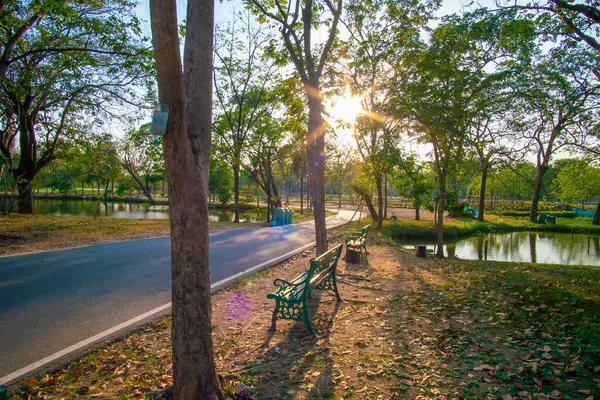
(357, 241)
(291, 298)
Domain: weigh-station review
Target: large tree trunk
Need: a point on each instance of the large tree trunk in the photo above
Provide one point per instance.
(316, 166)
(596, 220)
(368, 201)
(440, 215)
(417, 215)
(236, 193)
(187, 157)
(541, 170)
(25, 197)
(379, 203)
(481, 215)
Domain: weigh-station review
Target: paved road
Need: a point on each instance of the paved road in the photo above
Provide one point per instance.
(52, 300)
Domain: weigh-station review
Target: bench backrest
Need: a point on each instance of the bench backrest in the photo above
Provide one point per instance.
(323, 265)
(365, 230)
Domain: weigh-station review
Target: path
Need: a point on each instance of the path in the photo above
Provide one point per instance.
(52, 300)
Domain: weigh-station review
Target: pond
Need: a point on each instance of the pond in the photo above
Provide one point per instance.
(89, 208)
(538, 247)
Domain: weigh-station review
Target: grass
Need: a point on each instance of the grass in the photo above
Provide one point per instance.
(26, 233)
(457, 227)
(511, 328)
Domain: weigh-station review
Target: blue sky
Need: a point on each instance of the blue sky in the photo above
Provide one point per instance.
(223, 10)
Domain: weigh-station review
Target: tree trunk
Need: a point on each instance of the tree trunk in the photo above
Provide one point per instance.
(596, 220)
(308, 191)
(385, 196)
(541, 170)
(481, 215)
(187, 157)
(106, 188)
(273, 186)
(302, 190)
(316, 166)
(368, 201)
(440, 215)
(417, 214)
(25, 197)
(236, 193)
(269, 206)
(378, 183)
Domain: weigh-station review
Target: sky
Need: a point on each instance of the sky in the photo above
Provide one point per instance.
(223, 9)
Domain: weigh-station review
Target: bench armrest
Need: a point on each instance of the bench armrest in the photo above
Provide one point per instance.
(282, 284)
(286, 289)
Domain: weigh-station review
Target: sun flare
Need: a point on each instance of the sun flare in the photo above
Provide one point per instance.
(345, 108)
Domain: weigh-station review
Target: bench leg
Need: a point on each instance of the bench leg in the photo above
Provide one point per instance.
(335, 289)
(307, 317)
(274, 319)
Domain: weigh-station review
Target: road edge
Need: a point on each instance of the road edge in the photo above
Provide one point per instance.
(69, 354)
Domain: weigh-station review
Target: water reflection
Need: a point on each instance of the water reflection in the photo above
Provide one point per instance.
(89, 208)
(541, 247)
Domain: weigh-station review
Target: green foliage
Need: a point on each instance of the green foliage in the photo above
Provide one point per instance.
(456, 208)
(578, 181)
(412, 181)
(65, 67)
(62, 181)
(124, 187)
(220, 181)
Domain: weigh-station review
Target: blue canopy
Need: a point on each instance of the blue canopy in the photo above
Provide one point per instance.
(583, 213)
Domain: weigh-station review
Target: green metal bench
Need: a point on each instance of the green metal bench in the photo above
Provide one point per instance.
(291, 298)
(358, 240)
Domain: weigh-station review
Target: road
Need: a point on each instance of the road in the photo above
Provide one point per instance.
(55, 299)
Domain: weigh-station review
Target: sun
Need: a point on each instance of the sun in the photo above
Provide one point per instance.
(345, 108)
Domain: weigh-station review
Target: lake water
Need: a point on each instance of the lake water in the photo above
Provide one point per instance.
(88, 208)
(538, 247)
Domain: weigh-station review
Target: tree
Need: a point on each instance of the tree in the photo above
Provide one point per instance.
(559, 96)
(65, 64)
(412, 182)
(43, 28)
(445, 87)
(380, 31)
(342, 158)
(297, 20)
(138, 152)
(578, 181)
(220, 180)
(575, 22)
(187, 145)
(266, 150)
(242, 78)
